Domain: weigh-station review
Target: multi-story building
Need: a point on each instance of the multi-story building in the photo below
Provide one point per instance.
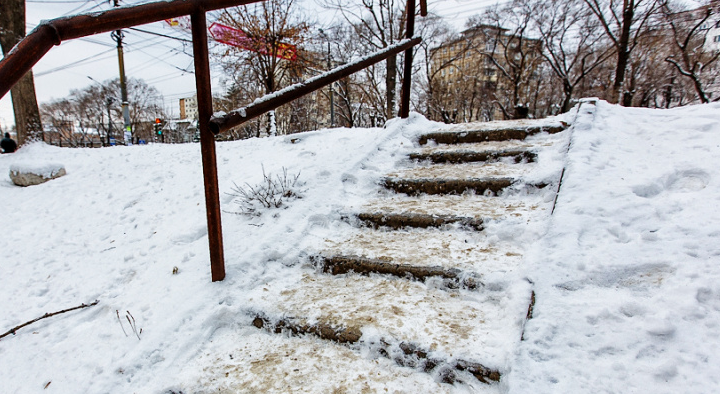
(189, 108)
(483, 74)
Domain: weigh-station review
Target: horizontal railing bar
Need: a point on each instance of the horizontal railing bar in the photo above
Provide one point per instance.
(218, 124)
(123, 17)
(24, 55)
(54, 31)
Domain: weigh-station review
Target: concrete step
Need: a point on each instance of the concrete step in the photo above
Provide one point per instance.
(403, 353)
(417, 220)
(476, 207)
(416, 186)
(451, 278)
(467, 156)
(436, 328)
(488, 146)
(260, 361)
(467, 251)
(473, 170)
(492, 131)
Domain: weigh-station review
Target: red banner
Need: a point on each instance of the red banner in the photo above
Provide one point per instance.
(238, 38)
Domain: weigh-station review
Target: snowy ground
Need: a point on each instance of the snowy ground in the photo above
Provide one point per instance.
(627, 290)
(628, 276)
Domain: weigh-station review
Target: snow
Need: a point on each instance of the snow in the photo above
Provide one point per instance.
(627, 276)
(624, 270)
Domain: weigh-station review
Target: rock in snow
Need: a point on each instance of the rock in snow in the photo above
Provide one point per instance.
(30, 174)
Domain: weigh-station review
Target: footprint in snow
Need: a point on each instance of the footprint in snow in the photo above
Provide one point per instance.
(190, 236)
(680, 181)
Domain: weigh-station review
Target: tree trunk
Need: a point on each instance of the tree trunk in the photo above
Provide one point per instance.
(623, 54)
(390, 83)
(568, 92)
(25, 107)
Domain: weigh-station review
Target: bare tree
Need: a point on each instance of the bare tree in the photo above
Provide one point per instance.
(81, 118)
(353, 103)
(623, 23)
(25, 107)
(514, 53)
(443, 50)
(377, 24)
(144, 107)
(59, 115)
(572, 43)
(688, 37)
(269, 26)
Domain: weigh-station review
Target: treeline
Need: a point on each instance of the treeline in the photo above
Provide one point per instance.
(522, 58)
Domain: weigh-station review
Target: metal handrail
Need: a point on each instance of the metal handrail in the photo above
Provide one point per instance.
(49, 33)
(221, 123)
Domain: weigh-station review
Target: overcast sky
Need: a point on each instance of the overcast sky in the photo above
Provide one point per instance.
(161, 62)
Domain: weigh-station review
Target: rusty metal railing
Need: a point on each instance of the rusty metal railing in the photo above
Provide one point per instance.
(52, 32)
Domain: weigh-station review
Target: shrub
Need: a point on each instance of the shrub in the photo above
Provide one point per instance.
(272, 192)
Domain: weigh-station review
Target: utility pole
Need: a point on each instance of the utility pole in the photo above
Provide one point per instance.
(117, 35)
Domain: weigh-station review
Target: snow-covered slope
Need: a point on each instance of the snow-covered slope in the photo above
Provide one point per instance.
(628, 275)
(624, 270)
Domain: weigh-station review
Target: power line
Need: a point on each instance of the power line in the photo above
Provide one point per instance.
(160, 35)
(81, 6)
(86, 60)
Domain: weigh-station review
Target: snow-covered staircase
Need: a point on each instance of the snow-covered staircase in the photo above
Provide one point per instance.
(430, 277)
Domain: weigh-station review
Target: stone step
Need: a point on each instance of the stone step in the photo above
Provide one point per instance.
(451, 278)
(468, 251)
(465, 334)
(248, 360)
(466, 156)
(479, 327)
(470, 206)
(527, 144)
(403, 353)
(495, 134)
(417, 220)
(474, 170)
(483, 186)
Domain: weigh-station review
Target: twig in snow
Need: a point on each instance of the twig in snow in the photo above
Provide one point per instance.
(117, 312)
(131, 321)
(133, 325)
(14, 329)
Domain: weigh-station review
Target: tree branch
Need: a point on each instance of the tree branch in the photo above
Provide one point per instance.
(14, 329)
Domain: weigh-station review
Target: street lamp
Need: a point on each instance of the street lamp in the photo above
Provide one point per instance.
(329, 66)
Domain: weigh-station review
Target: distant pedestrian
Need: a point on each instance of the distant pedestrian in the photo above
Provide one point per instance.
(8, 144)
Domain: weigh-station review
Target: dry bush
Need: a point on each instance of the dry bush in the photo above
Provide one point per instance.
(272, 192)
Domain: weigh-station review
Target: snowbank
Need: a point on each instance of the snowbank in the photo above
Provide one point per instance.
(627, 279)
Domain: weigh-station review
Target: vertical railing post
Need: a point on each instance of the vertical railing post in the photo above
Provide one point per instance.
(207, 144)
(409, 32)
